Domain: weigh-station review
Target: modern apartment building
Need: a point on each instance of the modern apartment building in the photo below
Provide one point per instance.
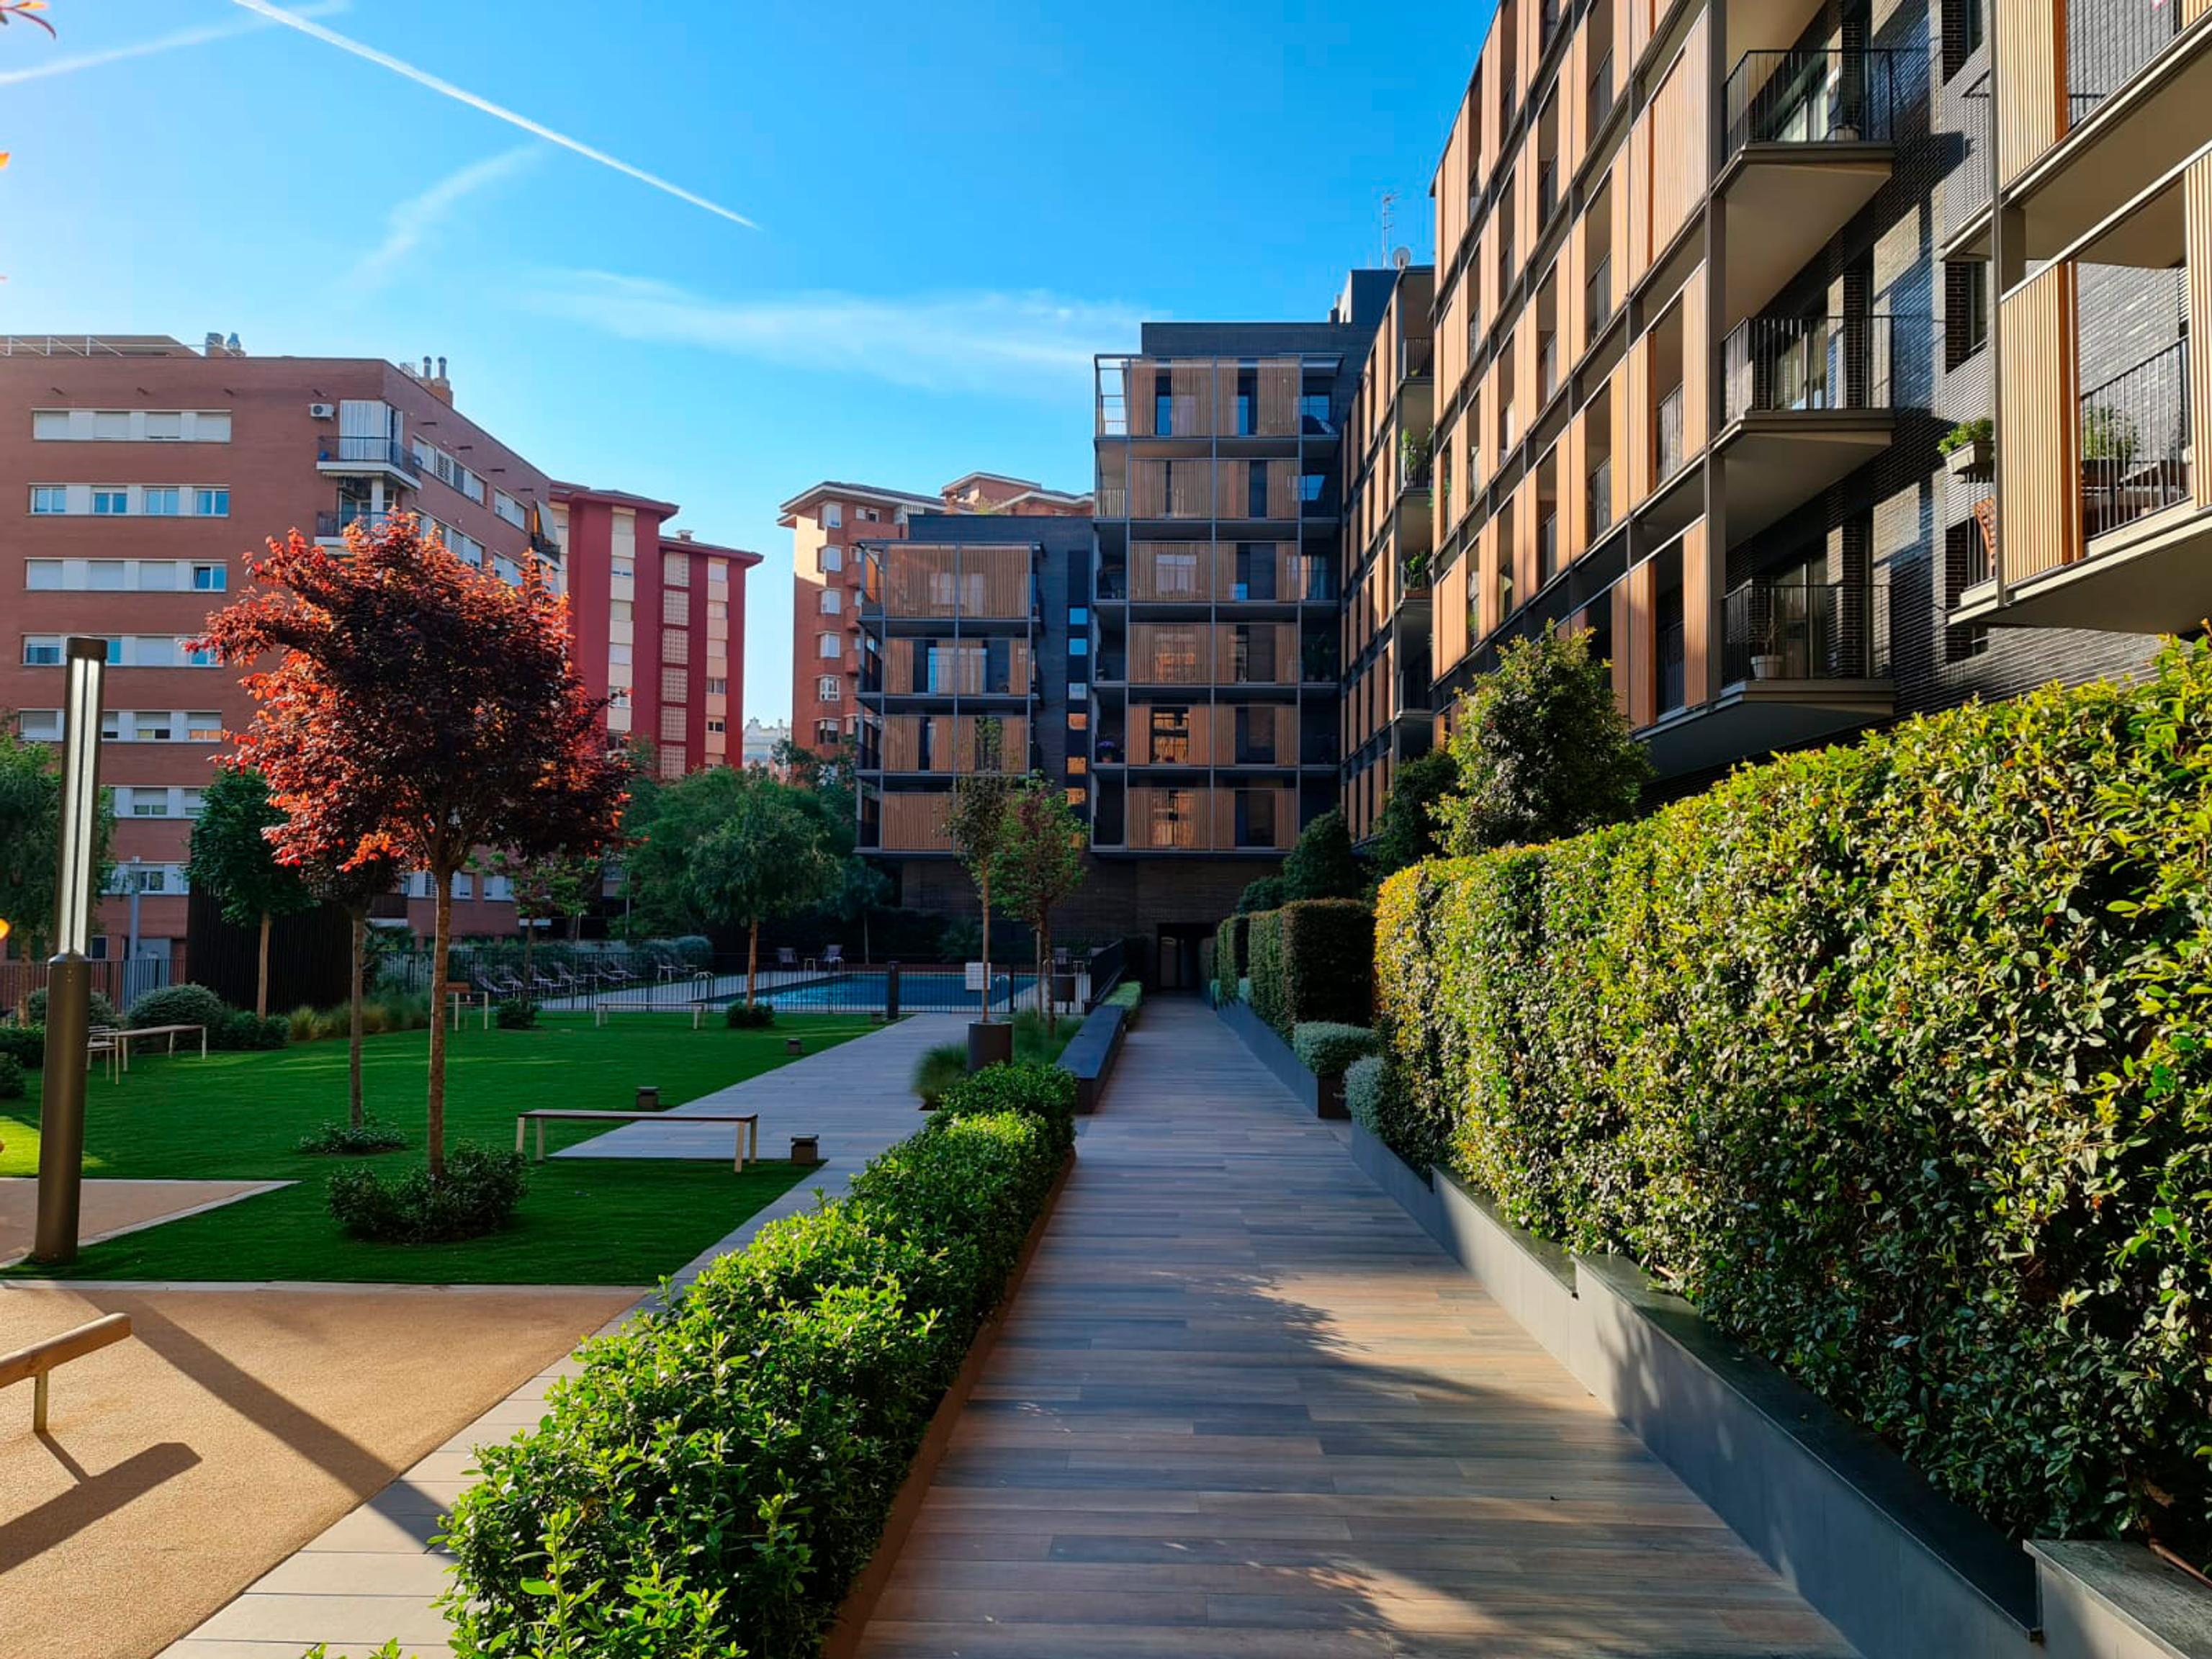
(827, 521)
(1696, 341)
(149, 473)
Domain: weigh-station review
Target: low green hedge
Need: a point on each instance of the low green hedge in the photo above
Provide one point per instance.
(1895, 1060)
(720, 1471)
(100, 1011)
(1311, 960)
(749, 1016)
(24, 1044)
(12, 1085)
(1129, 995)
(1370, 1085)
(476, 1195)
(1326, 1048)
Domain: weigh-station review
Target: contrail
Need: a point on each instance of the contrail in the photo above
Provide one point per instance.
(196, 37)
(447, 88)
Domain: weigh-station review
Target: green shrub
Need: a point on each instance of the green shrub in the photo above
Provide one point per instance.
(1228, 956)
(1369, 1087)
(941, 1066)
(299, 1024)
(516, 1014)
(478, 1196)
(368, 1136)
(100, 1011)
(1312, 960)
(1893, 1058)
(1326, 1048)
(720, 1471)
(1263, 967)
(179, 1004)
(1267, 893)
(24, 1044)
(1039, 1090)
(242, 1029)
(12, 1086)
(694, 949)
(749, 1017)
(1128, 994)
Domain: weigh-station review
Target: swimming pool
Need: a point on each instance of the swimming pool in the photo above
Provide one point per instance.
(865, 990)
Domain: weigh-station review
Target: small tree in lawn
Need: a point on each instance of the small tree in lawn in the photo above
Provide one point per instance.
(1542, 750)
(981, 800)
(234, 857)
(353, 888)
(766, 858)
(423, 710)
(1039, 863)
(30, 835)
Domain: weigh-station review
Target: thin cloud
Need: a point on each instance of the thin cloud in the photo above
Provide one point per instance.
(412, 219)
(1030, 344)
(298, 21)
(205, 36)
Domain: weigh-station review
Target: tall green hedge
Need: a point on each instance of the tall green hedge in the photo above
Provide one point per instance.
(1311, 960)
(1893, 1058)
(1229, 953)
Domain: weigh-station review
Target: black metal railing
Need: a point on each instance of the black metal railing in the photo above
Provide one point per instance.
(1807, 363)
(2109, 43)
(1547, 189)
(1599, 486)
(2135, 442)
(1805, 630)
(1666, 436)
(334, 524)
(379, 451)
(1674, 673)
(1547, 546)
(1811, 97)
(1597, 296)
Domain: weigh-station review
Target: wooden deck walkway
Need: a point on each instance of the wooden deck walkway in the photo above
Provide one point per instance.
(1243, 1406)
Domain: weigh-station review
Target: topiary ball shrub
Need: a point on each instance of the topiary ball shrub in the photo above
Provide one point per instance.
(11, 1078)
(179, 1004)
(367, 1136)
(518, 1015)
(476, 1195)
(24, 1044)
(1372, 1095)
(242, 1029)
(101, 1011)
(749, 1016)
(1326, 1048)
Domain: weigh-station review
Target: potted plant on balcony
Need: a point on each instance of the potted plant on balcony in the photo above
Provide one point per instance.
(1768, 661)
(1969, 448)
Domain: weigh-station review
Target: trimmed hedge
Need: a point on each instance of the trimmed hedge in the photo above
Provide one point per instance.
(243, 1029)
(1311, 960)
(100, 1011)
(12, 1086)
(26, 1045)
(1369, 1087)
(1893, 1058)
(180, 1005)
(721, 1471)
(1326, 1048)
(1230, 955)
(1129, 995)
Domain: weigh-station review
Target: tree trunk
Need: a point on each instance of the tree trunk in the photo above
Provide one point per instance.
(441, 941)
(984, 882)
(529, 939)
(261, 972)
(353, 1038)
(1044, 977)
(752, 957)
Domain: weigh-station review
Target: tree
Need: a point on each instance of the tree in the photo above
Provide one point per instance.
(1322, 864)
(352, 888)
(423, 710)
(1541, 750)
(674, 818)
(1406, 832)
(234, 858)
(981, 798)
(1039, 863)
(766, 858)
(545, 889)
(1264, 894)
(30, 821)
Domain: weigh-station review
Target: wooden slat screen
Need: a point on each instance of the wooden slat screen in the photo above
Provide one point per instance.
(898, 664)
(1677, 117)
(2039, 451)
(1281, 381)
(1171, 489)
(1191, 385)
(1697, 614)
(1694, 325)
(923, 579)
(1137, 384)
(1451, 614)
(2031, 111)
(1171, 653)
(915, 821)
(2196, 265)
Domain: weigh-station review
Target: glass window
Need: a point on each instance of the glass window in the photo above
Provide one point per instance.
(833, 602)
(114, 653)
(164, 503)
(1078, 615)
(42, 652)
(211, 503)
(210, 579)
(199, 658)
(833, 556)
(1078, 646)
(205, 728)
(151, 728)
(49, 498)
(156, 576)
(111, 503)
(1310, 485)
(40, 725)
(50, 423)
(153, 803)
(833, 515)
(829, 688)
(830, 647)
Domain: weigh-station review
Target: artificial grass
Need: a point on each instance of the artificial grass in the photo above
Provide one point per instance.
(585, 1222)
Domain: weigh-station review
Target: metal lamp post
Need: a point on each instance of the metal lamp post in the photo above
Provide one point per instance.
(69, 978)
(138, 879)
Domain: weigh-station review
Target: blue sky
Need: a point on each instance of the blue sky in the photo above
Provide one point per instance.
(951, 206)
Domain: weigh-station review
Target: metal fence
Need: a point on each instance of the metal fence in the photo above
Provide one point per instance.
(2108, 43)
(1807, 363)
(1844, 95)
(122, 981)
(1806, 631)
(2135, 442)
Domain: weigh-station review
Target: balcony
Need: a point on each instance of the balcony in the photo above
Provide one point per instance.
(1809, 141)
(1598, 488)
(1597, 299)
(1667, 455)
(1807, 401)
(331, 526)
(358, 457)
(1800, 662)
(1601, 91)
(2138, 82)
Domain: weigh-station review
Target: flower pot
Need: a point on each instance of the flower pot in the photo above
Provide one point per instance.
(989, 1043)
(1766, 667)
(1972, 459)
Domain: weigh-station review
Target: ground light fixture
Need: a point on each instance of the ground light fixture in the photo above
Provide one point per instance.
(68, 977)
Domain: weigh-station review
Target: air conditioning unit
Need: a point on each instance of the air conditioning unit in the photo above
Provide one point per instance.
(322, 412)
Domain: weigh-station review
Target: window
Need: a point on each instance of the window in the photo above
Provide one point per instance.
(833, 556)
(1314, 412)
(718, 687)
(509, 509)
(42, 575)
(111, 503)
(1079, 646)
(672, 725)
(210, 579)
(39, 725)
(833, 515)
(50, 423)
(205, 728)
(105, 576)
(832, 602)
(829, 688)
(717, 725)
(869, 515)
(827, 733)
(1310, 485)
(1078, 615)
(831, 647)
(1966, 309)
(202, 659)
(211, 503)
(149, 728)
(49, 498)
(164, 425)
(623, 570)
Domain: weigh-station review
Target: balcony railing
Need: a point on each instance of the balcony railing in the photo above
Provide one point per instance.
(1806, 631)
(1666, 436)
(1807, 363)
(1600, 487)
(1600, 90)
(1811, 97)
(1547, 547)
(1547, 189)
(367, 451)
(2108, 46)
(2135, 443)
(330, 525)
(1598, 297)
(1547, 22)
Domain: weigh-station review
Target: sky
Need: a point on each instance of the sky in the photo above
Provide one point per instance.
(712, 251)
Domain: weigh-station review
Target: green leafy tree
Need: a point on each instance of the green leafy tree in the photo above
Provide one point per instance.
(1541, 750)
(1322, 864)
(1406, 833)
(1040, 862)
(547, 888)
(662, 830)
(765, 858)
(982, 797)
(1265, 894)
(233, 858)
(30, 820)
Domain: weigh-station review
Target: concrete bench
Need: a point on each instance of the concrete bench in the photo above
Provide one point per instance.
(747, 1122)
(1090, 1053)
(39, 1359)
(601, 1010)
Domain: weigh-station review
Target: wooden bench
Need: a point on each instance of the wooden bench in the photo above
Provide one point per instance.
(40, 1357)
(747, 1122)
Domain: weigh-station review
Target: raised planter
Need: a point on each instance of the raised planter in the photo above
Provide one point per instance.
(1268, 1046)
(1091, 1052)
(2112, 1601)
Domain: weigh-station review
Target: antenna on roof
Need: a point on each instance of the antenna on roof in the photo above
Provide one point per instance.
(1389, 217)
(1400, 257)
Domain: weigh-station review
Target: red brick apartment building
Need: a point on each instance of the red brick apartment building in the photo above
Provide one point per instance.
(826, 521)
(141, 473)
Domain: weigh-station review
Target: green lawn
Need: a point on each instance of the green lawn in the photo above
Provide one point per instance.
(596, 1221)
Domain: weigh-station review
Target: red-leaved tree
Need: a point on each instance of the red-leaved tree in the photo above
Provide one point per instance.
(421, 710)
